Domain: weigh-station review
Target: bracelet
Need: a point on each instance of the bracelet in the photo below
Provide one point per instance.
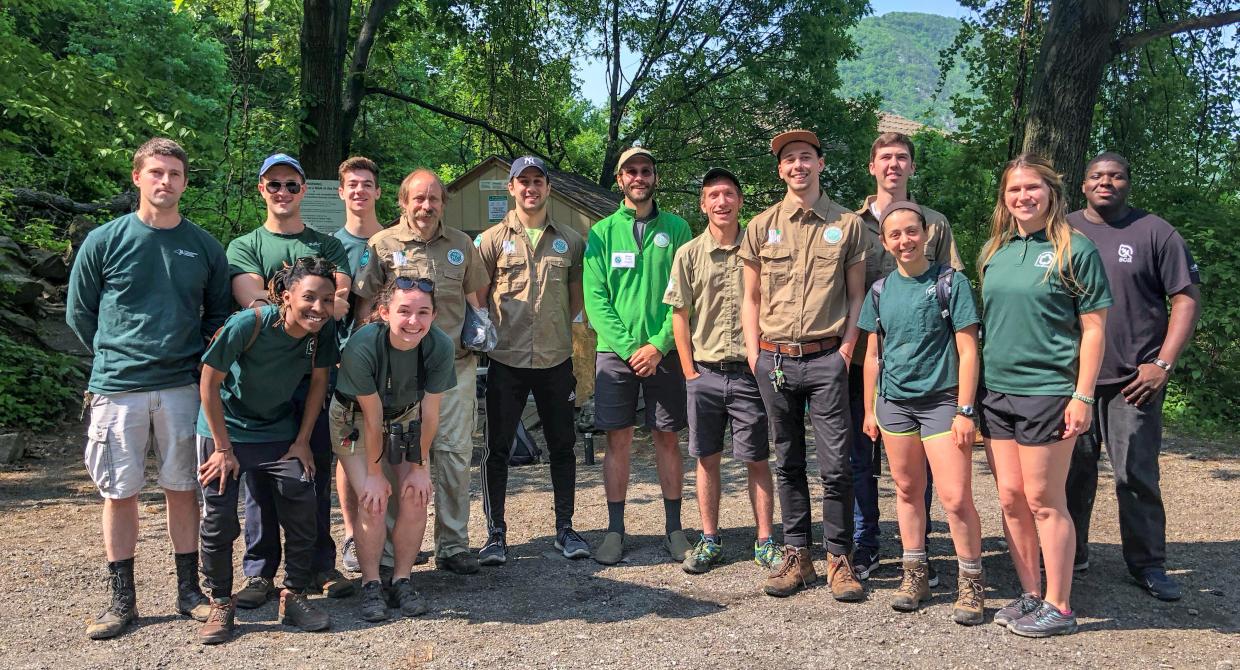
(1162, 364)
(1083, 398)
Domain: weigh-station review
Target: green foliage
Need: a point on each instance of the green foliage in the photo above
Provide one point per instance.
(37, 387)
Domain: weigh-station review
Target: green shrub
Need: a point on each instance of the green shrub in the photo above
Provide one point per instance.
(37, 387)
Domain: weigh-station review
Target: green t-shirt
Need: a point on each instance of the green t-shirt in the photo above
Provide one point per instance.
(919, 348)
(145, 300)
(258, 390)
(1032, 321)
(264, 253)
(354, 247)
(534, 234)
(365, 360)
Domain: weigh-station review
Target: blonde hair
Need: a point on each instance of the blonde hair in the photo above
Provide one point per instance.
(1058, 230)
(403, 193)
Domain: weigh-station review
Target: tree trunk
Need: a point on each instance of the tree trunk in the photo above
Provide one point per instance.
(324, 30)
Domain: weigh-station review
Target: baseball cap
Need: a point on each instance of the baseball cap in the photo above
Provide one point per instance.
(798, 135)
(632, 153)
(520, 165)
(281, 159)
(897, 206)
(716, 172)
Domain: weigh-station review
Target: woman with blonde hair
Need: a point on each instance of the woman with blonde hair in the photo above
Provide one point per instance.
(1045, 298)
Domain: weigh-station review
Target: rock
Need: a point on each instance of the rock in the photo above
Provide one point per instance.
(21, 321)
(10, 247)
(12, 446)
(19, 289)
(53, 293)
(79, 228)
(49, 265)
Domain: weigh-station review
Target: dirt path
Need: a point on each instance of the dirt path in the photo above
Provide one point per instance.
(543, 611)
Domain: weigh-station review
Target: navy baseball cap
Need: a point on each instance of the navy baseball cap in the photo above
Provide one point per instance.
(520, 165)
(721, 172)
(281, 159)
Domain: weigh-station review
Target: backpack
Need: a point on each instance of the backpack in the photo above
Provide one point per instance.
(942, 293)
(523, 450)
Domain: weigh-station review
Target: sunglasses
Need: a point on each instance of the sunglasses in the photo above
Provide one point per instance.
(409, 283)
(273, 187)
(315, 261)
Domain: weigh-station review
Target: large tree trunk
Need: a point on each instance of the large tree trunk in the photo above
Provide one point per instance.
(324, 30)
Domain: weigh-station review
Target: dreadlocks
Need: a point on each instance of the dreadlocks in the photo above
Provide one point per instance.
(288, 277)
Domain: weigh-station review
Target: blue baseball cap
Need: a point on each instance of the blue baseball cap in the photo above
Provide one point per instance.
(520, 165)
(281, 159)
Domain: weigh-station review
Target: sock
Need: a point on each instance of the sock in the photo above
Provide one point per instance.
(615, 517)
(970, 564)
(763, 540)
(671, 514)
(713, 539)
(1066, 612)
(918, 555)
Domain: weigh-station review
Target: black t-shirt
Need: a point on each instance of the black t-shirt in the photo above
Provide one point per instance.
(1146, 260)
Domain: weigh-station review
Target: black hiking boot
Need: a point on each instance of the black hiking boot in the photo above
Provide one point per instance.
(122, 608)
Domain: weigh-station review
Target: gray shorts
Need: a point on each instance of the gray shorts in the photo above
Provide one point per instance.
(719, 400)
(928, 417)
(127, 427)
(615, 394)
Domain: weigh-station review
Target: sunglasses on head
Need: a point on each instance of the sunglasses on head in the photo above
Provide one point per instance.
(409, 283)
(312, 261)
(273, 187)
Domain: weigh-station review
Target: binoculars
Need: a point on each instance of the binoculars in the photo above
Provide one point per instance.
(404, 442)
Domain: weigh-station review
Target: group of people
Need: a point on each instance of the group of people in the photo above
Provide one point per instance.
(248, 369)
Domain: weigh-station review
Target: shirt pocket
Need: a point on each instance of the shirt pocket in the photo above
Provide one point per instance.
(776, 273)
(510, 274)
(555, 270)
(450, 287)
(826, 261)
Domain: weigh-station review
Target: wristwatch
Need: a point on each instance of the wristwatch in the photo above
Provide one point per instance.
(1162, 364)
(966, 411)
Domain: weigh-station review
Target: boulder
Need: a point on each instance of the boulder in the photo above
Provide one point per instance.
(20, 321)
(10, 247)
(12, 447)
(49, 265)
(19, 289)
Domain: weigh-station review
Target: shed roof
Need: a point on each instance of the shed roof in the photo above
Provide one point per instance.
(894, 123)
(582, 192)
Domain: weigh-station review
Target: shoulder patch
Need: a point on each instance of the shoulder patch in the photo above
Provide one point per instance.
(833, 235)
(456, 256)
(560, 246)
(478, 240)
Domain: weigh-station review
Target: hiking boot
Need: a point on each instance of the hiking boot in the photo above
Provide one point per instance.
(409, 601)
(865, 561)
(1026, 603)
(461, 563)
(190, 599)
(332, 584)
(257, 590)
(374, 604)
(768, 554)
(495, 551)
(843, 581)
(297, 610)
(677, 545)
(123, 604)
(220, 623)
(704, 555)
(1045, 621)
(571, 544)
(970, 607)
(1156, 582)
(610, 550)
(914, 587)
(796, 572)
(348, 556)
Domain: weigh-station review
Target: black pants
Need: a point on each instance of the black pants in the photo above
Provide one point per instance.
(819, 381)
(292, 495)
(262, 517)
(1133, 439)
(507, 390)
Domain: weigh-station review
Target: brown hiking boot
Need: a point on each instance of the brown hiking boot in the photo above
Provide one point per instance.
(794, 573)
(970, 607)
(914, 587)
(220, 622)
(845, 587)
(296, 610)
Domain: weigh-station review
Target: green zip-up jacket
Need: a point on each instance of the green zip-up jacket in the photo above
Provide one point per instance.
(624, 283)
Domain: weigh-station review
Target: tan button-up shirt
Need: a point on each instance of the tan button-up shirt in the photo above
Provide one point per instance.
(448, 258)
(940, 245)
(529, 299)
(802, 256)
(708, 281)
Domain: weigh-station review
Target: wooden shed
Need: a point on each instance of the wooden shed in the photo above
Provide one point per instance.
(479, 199)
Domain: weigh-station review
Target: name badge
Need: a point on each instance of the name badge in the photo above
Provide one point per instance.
(624, 259)
(398, 258)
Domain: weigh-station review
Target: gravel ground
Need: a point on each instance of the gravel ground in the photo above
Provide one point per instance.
(543, 611)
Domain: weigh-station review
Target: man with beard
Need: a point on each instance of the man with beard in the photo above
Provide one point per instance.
(535, 291)
(627, 265)
(1147, 263)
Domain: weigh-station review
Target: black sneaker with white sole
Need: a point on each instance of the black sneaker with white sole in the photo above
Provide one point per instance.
(932, 575)
(495, 551)
(571, 544)
(1157, 583)
(865, 561)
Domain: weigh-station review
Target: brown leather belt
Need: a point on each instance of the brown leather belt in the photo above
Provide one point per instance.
(800, 349)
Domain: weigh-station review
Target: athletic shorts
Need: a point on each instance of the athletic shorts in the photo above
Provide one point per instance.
(928, 417)
(722, 400)
(616, 388)
(126, 427)
(1028, 419)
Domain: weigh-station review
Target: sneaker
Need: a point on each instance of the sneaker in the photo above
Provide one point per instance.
(257, 590)
(122, 608)
(374, 604)
(610, 550)
(677, 545)
(914, 587)
(843, 582)
(409, 601)
(571, 544)
(970, 607)
(495, 551)
(220, 623)
(332, 584)
(461, 563)
(348, 556)
(704, 555)
(865, 561)
(795, 572)
(1026, 603)
(1080, 566)
(932, 575)
(768, 554)
(1156, 582)
(1045, 621)
(297, 610)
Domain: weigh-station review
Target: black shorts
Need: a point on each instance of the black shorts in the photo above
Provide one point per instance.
(721, 400)
(1028, 419)
(615, 394)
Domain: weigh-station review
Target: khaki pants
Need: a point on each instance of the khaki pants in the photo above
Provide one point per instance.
(450, 456)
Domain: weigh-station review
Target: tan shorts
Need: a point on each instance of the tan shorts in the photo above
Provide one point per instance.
(343, 423)
(123, 429)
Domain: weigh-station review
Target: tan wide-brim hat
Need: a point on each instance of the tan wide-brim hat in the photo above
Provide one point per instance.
(631, 153)
(799, 135)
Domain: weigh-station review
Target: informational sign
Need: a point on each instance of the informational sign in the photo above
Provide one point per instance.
(322, 209)
(492, 185)
(497, 207)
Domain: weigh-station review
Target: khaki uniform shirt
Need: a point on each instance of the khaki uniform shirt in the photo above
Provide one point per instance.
(449, 259)
(708, 281)
(529, 298)
(802, 256)
(940, 245)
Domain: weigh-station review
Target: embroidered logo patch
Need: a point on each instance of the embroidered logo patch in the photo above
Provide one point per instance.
(833, 235)
(1044, 259)
(510, 247)
(560, 246)
(187, 254)
(773, 236)
(365, 258)
(478, 240)
(456, 256)
(662, 240)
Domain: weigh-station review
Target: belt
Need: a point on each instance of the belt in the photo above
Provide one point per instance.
(351, 405)
(725, 366)
(801, 348)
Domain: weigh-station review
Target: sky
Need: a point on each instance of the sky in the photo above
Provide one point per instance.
(594, 88)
